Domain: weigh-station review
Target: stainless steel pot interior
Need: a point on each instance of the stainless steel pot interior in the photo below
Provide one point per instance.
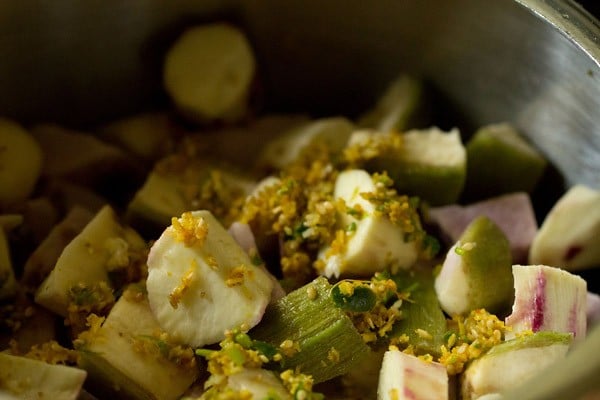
(533, 62)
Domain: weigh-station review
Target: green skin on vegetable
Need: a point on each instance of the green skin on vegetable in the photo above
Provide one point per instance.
(538, 339)
(361, 300)
(488, 266)
(421, 312)
(489, 159)
(317, 325)
(436, 185)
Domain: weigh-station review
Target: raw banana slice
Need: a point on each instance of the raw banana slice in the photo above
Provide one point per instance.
(512, 363)
(208, 72)
(263, 384)
(180, 183)
(482, 255)
(407, 376)
(569, 236)
(147, 136)
(8, 284)
(278, 153)
(202, 283)
(103, 245)
(20, 163)
(24, 378)
(396, 107)
(500, 160)
(374, 242)
(129, 357)
(427, 163)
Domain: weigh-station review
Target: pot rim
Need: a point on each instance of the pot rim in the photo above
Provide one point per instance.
(572, 21)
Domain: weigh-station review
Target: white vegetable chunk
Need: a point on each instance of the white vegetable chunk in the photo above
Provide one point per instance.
(261, 383)
(481, 257)
(243, 235)
(570, 235)
(280, 152)
(202, 283)
(512, 363)
(208, 72)
(102, 245)
(404, 376)
(20, 163)
(548, 299)
(375, 244)
(452, 284)
(8, 284)
(24, 378)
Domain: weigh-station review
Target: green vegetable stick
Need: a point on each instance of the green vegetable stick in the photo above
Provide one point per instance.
(422, 318)
(329, 345)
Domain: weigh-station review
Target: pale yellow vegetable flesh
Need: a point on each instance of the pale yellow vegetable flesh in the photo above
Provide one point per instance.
(20, 163)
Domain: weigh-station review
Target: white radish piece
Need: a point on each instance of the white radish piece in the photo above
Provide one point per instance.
(512, 363)
(405, 376)
(201, 282)
(548, 299)
(570, 235)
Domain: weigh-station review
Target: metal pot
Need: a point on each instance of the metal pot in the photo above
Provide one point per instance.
(535, 63)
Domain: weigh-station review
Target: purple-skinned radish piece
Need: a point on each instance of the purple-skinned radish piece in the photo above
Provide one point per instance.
(593, 309)
(548, 299)
(513, 213)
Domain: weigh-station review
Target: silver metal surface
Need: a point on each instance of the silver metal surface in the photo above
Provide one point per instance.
(492, 60)
(533, 62)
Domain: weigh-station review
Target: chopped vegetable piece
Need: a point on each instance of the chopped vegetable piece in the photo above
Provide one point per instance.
(24, 378)
(8, 284)
(406, 376)
(513, 213)
(41, 262)
(429, 164)
(202, 283)
(388, 230)
(255, 383)
(421, 312)
(130, 357)
(482, 255)
(569, 236)
(397, 107)
(574, 377)
(353, 297)
(548, 299)
(147, 136)
(83, 158)
(208, 72)
(181, 182)
(317, 325)
(499, 161)
(285, 149)
(102, 246)
(512, 363)
(20, 163)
